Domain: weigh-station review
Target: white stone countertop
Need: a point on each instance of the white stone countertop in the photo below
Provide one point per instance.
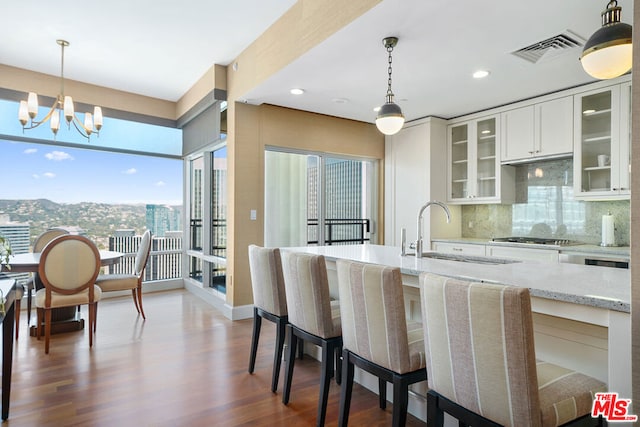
(601, 287)
(611, 251)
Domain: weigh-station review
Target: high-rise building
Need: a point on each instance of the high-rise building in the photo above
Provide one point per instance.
(162, 218)
(18, 236)
(345, 221)
(16, 233)
(124, 233)
(164, 260)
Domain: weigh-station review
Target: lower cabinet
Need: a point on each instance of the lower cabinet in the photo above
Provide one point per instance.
(523, 254)
(458, 248)
(505, 252)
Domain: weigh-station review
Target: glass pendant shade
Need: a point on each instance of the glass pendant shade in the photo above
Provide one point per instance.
(390, 119)
(68, 108)
(55, 121)
(608, 52)
(88, 123)
(97, 117)
(32, 104)
(23, 114)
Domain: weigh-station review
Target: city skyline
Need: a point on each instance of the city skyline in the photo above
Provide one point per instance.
(73, 175)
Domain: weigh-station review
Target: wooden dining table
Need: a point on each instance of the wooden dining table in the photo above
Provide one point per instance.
(65, 319)
(30, 261)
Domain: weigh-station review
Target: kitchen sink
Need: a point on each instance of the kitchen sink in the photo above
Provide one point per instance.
(467, 258)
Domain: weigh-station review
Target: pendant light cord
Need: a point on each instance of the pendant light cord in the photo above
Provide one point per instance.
(389, 70)
(62, 71)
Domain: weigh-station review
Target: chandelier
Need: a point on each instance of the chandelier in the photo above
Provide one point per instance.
(62, 105)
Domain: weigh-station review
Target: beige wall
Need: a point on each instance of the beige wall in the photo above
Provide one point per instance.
(306, 24)
(250, 128)
(43, 84)
(635, 215)
(214, 78)
(255, 127)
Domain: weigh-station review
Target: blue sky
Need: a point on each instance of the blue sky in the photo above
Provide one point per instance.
(72, 175)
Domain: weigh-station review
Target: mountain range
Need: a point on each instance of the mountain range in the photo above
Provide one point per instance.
(97, 220)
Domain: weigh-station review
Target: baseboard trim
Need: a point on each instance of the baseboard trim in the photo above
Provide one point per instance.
(240, 312)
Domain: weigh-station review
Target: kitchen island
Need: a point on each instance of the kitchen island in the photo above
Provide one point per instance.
(581, 313)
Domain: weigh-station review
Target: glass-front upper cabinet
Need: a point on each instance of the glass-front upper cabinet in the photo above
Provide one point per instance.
(486, 165)
(475, 174)
(601, 156)
(459, 161)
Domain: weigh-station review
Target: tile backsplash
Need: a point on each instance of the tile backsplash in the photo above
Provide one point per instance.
(545, 207)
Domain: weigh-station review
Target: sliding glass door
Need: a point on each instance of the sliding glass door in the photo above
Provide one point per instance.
(317, 199)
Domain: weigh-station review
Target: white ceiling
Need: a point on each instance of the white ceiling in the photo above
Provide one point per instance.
(160, 48)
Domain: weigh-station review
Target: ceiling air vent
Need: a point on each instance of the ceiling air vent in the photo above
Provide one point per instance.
(551, 47)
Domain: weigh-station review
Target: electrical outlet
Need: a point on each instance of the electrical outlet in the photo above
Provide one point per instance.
(470, 224)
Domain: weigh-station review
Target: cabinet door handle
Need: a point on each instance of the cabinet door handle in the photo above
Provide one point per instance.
(537, 151)
(530, 152)
(615, 189)
(457, 249)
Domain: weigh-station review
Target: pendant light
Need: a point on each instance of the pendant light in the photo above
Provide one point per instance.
(390, 118)
(608, 52)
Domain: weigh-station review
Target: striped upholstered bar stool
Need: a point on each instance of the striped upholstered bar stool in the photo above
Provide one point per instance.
(481, 360)
(313, 317)
(376, 335)
(269, 302)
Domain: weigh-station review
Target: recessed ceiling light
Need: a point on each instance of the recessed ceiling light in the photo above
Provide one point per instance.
(340, 100)
(480, 74)
(297, 91)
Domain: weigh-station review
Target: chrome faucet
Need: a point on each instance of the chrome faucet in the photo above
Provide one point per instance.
(422, 209)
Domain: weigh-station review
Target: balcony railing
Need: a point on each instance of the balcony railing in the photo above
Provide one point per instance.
(218, 236)
(340, 231)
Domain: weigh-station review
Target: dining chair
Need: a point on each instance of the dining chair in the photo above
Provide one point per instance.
(34, 282)
(132, 281)
(377, 336)
(69, 266)
(481, 360)
(313, 317)
(269, 302)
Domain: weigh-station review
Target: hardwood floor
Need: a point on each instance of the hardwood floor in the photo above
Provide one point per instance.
(185, 366)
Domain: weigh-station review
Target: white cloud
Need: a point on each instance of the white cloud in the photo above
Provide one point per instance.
(49, 175)
(130, 171)
(160, 184)
(30, 151)
(58, 156)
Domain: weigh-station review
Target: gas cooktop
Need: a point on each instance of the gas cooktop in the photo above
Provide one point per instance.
(536, 241)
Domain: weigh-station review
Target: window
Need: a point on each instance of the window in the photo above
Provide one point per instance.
(108, 196)
(316, 199)
(208, 227)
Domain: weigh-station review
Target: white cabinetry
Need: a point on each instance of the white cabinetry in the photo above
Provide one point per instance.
(540, 130)
(523, 254)
(474, 173)
(458, 248)
(601, 146)
(414, 168)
